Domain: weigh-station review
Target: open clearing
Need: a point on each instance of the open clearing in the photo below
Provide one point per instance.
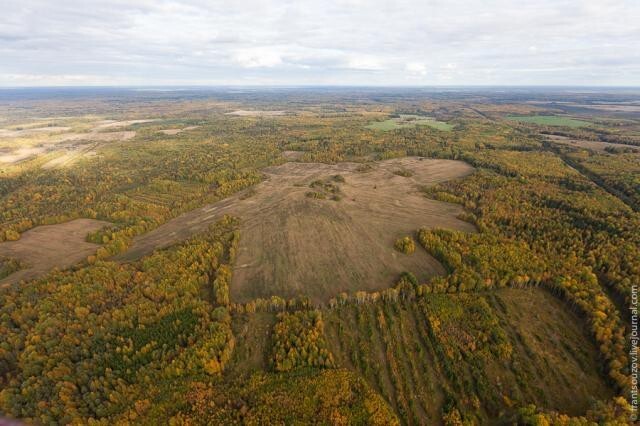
(8, 133)
(618, 106)
(565, 367)
(46, 247)
(549, 120)
(554, 362)
(408, 121)
(70, 156)
(255, 113)
(593, 145)
(29, 141)
(98, 136)
(20, 154)
(82, 145)
(68, 147)
(109, 124)
(172, 132)
(611, 107)
(296, 240)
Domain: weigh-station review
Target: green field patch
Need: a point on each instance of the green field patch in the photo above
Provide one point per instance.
(549, 120)
(407, 121)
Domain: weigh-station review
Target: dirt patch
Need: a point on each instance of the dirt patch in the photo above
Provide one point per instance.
(20, 154)
(7, 133)
(293, 155)
(98, 137)
(256, 113)
(172, 132)
(71, 146)
(61, 161)
(295, 244)
(593, 145)
(46, 247)
(109, 124)
(79, 148)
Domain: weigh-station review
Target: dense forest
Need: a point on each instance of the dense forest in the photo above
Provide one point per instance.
(528, 324)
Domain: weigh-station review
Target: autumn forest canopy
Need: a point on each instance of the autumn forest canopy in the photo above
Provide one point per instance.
(319, 256)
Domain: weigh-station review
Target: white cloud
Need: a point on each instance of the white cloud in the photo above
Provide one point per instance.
(416, 68)
(257, 57)
(58, 79)
(365, 62)
(310, 42)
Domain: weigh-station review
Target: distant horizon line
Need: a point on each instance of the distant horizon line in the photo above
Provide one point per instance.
(296, 86)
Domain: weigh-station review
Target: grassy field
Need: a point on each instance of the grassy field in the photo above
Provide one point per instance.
(475, 350)
(549, 120)
(45, 247)
(408, 121)
(290, 239)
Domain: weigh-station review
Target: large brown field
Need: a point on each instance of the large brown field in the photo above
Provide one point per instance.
(293, 243)
(50, 246)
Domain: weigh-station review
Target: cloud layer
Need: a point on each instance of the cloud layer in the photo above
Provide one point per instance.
(351, 42)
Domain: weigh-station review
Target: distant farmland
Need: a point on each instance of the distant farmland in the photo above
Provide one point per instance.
(409, 120)
(549, 120)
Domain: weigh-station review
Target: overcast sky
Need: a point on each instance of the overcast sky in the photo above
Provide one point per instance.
(355, 42)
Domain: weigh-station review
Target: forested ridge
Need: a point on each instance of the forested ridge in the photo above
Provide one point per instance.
(544, 284)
